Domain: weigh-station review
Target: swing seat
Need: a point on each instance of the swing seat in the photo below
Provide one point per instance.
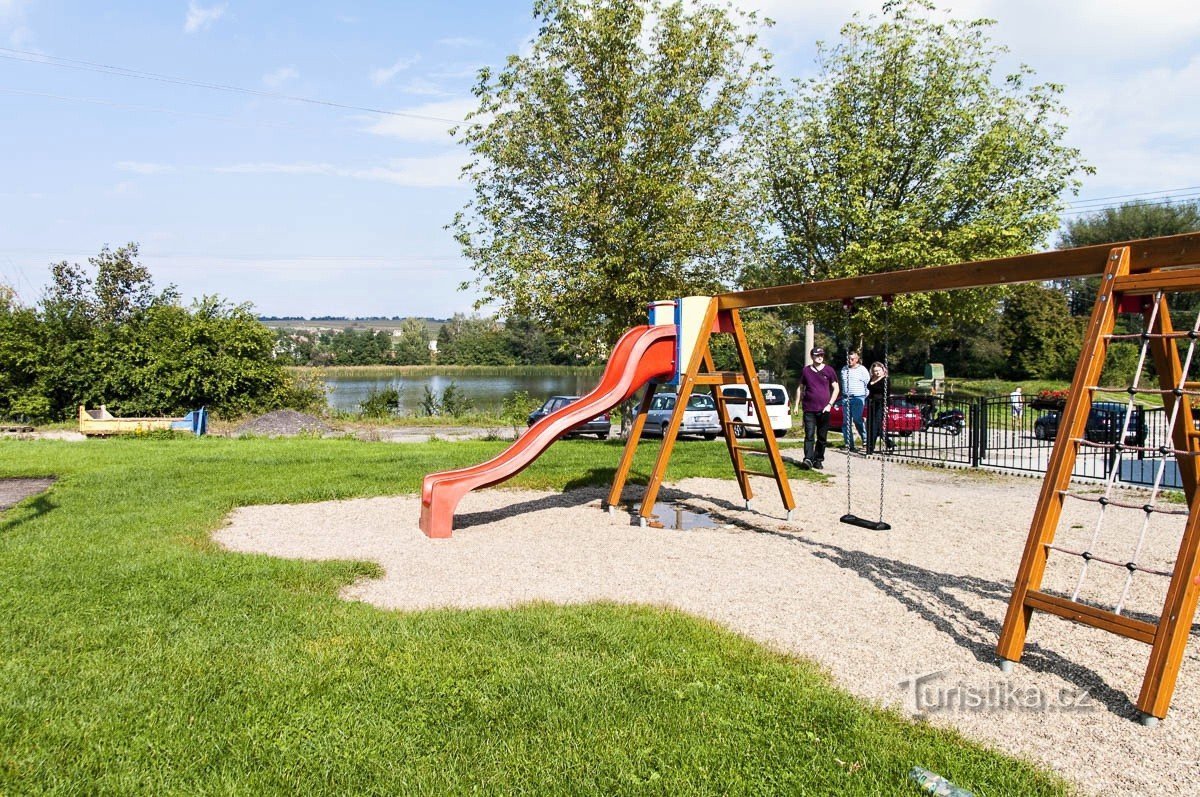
(874, 525)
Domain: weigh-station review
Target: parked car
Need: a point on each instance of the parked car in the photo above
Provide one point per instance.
(601, 425)
(1103, 424)
(903, 417)
(699, 417)
(742, 414)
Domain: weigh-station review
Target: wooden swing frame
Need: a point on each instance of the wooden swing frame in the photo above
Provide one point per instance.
(1129, 269)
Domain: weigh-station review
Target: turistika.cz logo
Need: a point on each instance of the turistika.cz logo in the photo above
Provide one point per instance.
(927, 694)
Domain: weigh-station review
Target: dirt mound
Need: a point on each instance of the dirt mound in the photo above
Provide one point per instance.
(284, 423)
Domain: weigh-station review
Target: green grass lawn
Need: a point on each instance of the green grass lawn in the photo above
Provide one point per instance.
(136, 657)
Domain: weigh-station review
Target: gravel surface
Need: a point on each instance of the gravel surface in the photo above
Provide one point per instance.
(875, 608)
(283, 423)
(15, 490)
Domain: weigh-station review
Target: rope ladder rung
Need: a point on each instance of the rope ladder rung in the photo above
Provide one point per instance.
(1088, 556)
(1164, 450)
(1105, 501)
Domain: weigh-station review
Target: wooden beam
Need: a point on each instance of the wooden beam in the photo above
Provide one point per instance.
(1062, 459)
(1087, 261)
(1091, 615)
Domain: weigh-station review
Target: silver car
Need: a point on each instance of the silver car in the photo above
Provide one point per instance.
(699, 418)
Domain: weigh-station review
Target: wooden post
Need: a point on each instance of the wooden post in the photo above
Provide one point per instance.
(1062, 460)
(631, 444)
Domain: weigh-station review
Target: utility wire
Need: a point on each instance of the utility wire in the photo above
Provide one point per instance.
(1102, 199)
(124, 106)
(1168, 201)
(89, 66)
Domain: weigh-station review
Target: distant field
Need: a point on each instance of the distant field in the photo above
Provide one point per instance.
(434, 325)
(483, 371)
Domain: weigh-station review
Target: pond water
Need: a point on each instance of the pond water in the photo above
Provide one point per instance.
(485, 392)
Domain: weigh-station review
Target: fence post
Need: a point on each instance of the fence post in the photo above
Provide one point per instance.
(975, 443)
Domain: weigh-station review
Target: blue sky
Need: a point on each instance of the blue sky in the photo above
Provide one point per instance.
(306, 209)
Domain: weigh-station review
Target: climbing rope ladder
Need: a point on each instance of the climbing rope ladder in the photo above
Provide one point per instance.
(848, 423)
(1143, 293)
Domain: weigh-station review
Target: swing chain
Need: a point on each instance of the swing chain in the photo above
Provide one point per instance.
(887, 376)
(847, 421)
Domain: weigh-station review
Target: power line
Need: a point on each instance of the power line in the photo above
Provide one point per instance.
(152, 109)
(1103, 199)
(89, 66)
(1168, 201)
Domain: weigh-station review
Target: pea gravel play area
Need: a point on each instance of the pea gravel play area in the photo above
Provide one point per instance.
(908, 617)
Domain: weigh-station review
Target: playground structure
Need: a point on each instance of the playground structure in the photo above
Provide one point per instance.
(100, 423)
(1135, 278)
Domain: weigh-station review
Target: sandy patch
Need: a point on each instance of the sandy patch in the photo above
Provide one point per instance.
(875, 608)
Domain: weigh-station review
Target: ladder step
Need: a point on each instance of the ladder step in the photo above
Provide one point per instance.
(767, 474)
(1090, 615)
(721, 378)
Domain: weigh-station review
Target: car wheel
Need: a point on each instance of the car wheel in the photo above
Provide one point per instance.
(710, 437)
(663, 431)
(779, 433)
(953, 429)
(1039, 432)
(739, 429)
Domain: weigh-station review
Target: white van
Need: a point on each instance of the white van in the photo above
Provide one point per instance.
(742, 414)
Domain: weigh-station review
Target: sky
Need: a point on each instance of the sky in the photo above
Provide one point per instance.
(327, 207)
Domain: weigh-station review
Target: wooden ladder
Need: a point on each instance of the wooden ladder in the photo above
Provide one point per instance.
(1168, 637)
(700, 371)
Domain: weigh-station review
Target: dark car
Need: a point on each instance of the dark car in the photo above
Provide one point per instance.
(600, 426)
(1103, 424)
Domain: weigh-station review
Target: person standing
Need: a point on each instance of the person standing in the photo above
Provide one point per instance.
(855, 378)
(1018, 404)
(819, 384)
(876, 407)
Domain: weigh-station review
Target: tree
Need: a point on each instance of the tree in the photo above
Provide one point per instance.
(604, 168)
(1127, 222)
(903, 152)
(412, 345)
(1041, 340)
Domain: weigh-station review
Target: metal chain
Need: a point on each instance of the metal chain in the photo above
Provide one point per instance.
(848, 304)
(887, 375)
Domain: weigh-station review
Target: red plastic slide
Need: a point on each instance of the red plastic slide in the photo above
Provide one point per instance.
(641, 354)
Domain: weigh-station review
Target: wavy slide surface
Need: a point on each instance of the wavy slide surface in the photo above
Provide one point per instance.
(642, 353)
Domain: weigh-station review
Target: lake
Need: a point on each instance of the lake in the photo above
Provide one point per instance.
(486, 392)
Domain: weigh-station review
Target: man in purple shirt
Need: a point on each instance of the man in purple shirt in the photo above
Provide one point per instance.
(819, 384)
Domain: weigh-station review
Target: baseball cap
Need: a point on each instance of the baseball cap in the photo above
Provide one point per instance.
(816, 351)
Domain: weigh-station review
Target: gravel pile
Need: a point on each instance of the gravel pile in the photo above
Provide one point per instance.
(877, 609)
(283, 423)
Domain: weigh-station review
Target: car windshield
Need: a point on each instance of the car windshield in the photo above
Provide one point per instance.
(774, 396)
(700, 401)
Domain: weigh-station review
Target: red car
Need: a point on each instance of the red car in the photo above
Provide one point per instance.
(903, 418)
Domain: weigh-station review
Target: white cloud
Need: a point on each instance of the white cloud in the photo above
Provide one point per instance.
(434, 171)
(280, 76)
(140, 167)
(383, 75)
(434, 126)
(201, 18)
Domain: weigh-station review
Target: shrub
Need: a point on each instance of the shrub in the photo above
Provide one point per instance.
(380, 403)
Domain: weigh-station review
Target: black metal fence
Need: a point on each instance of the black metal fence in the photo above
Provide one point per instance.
(1018, 434)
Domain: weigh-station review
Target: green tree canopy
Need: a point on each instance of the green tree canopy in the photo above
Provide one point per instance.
(1127, 222)
(604, 170)
(906, 151)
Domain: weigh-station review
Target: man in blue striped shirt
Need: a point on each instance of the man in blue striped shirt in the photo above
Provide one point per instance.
(855, 377)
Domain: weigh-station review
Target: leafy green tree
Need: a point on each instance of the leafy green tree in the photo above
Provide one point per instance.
(412, 345)
(906, 151)
(114, 339)
(21, 345)
(1127, 222)
(604, 167)
(1041, 339)
(472, 340)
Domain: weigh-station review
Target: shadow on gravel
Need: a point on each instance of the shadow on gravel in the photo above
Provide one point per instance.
(930, 595)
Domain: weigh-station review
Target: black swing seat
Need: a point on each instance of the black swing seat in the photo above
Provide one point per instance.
(874, 525)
